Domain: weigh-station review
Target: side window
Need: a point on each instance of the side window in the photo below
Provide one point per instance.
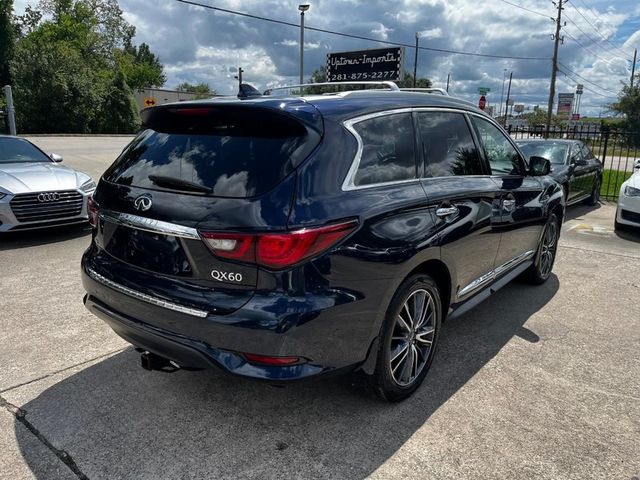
(447, 145)
(576, 153)
(501, 154)
(586, 152)
(388, 149)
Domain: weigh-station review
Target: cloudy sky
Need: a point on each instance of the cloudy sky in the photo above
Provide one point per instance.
(201, 45)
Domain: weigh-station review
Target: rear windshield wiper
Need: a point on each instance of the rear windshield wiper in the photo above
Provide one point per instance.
(178, 184)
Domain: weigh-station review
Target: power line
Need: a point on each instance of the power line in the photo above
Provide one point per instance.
(593, 26)
(595, 42)
(528, 10)
(358, 37)
(584, 79)
(586, 48)
(585, 87)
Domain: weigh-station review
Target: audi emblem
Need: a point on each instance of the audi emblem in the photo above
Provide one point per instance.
(143, 202)
(48, 197)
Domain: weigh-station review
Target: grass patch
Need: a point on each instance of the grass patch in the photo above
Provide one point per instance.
(611, 181)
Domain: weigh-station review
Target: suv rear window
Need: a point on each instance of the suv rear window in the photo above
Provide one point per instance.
(234, 153)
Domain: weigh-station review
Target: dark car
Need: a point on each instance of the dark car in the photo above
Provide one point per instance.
(286, 238)
(573, 165)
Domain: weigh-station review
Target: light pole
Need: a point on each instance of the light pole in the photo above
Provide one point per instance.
(504, 77)
(303, 8)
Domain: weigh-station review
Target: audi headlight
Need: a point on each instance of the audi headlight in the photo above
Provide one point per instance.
(630, 191)
(88, 186)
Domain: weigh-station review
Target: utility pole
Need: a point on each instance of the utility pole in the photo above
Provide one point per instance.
(11, 118)
(554, 67)
(448, 78)
(415, 63)
(506, 107)
(504, 77)
(633, 67)
(303, 8)
(239, 76)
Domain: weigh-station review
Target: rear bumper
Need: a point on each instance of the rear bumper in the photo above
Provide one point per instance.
(192, 353)
(332, 330)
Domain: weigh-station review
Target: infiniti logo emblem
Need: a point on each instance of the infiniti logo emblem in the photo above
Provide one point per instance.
(49, 197)
(143, 202)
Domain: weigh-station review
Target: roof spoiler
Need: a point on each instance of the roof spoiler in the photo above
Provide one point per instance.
(248, 91)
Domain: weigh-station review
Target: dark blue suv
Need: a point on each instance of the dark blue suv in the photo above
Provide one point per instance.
(286, 238)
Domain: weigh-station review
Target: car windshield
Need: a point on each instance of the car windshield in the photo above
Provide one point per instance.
(14, 150)
(555, 152)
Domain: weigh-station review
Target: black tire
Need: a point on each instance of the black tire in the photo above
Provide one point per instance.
(545, 257)
(594, 199)
(397, 377)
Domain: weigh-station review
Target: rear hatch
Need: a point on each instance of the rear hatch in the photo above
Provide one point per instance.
(195, 170)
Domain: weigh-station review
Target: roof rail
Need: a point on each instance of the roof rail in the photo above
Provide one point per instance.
(440, 91)
(390, 85)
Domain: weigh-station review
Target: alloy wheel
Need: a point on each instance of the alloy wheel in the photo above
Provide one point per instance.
(412, 337)
(548, 249)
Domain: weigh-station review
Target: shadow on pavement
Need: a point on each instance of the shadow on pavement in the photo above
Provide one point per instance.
(34, 238)
(118, 421)
(574, 212)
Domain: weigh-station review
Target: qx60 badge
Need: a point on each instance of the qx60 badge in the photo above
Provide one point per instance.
(143, 202)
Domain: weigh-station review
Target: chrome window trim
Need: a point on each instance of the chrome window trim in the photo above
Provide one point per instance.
(496, 272)
(146, 298)
(348, 183)
(150, 224)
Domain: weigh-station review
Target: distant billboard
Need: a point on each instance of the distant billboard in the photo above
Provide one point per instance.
(369, 65)
(565, 103)
(519, 108)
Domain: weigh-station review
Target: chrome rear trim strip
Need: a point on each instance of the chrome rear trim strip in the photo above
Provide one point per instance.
(150, 224)
(146, 298)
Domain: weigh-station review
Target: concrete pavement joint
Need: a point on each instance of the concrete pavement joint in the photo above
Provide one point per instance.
(598, 251)
(13, 387)
(63, 456)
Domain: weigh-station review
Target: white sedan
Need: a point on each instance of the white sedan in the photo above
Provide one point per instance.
(628, 212)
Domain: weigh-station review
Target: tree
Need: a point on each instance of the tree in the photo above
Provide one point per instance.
(407, 81)
(201, 90)
(140, 66)
(119, 112)
(539, 117)
(7, 40)
(72, 64)
(628, 104)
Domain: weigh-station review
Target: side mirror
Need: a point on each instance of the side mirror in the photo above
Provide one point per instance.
(636, 164)
(539, 166)
(56, 158)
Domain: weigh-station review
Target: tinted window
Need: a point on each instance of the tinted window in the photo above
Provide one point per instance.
(388, 152)
(576, 153)
(448, 145)
(18, 150)
(239, 155)
(501, 154)
(555, 152)
(586, 152)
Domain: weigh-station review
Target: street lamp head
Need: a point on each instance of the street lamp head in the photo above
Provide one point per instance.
(304, 7)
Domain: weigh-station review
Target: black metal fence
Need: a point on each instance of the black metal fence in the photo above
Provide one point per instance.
(616, 149)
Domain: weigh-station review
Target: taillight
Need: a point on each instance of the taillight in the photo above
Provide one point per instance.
(93, 211)
(277, 250)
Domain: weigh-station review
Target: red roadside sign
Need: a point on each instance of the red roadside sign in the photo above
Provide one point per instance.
(482, 103)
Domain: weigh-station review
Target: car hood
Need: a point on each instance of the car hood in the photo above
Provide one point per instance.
(38, 177)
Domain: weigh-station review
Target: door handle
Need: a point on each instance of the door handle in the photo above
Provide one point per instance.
(444, 212)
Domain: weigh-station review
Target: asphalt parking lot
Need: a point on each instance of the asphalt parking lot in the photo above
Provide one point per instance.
(537, 382)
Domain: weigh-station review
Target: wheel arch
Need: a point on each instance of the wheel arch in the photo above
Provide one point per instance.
(441, 274)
